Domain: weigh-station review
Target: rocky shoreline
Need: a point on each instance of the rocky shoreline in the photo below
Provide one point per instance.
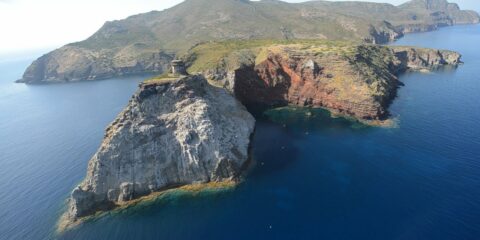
(358, 81)
(182, 131)
(136, 46)
(173, 133)
(73, 64)
(66, 222)
(193, 131)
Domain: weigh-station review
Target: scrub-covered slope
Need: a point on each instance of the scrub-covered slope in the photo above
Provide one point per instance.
(146, 43)
(357, 80)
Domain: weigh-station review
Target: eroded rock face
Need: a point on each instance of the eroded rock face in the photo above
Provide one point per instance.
(384, 33)
(170, 134)
(139, 44)
(361, 84)
(70, 64)
(424, 59)
(306, 80)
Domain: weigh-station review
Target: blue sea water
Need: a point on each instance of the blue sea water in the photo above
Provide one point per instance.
(315, 177)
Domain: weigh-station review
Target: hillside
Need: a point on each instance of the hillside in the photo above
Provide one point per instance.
(185, 132)
(146, 43)
(350, 79)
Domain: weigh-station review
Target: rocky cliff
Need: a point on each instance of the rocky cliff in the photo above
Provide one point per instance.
(145, 43)
(418, 59)
(172, 133)
(71, 63)
(353, 80)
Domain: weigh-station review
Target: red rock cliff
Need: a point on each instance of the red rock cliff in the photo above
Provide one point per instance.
(352, 80)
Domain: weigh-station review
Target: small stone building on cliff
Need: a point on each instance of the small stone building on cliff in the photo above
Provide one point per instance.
(178, 68)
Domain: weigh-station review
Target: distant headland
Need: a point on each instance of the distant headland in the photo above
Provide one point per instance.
(146, 43)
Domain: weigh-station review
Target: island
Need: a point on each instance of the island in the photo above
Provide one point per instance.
(146, 43)
(190, 125)
(187, 130)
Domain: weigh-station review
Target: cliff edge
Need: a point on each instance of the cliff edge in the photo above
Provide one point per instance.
(173, 132)
(358, 81)
(146, 43)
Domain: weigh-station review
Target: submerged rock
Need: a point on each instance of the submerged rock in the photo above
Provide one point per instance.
(172, 133)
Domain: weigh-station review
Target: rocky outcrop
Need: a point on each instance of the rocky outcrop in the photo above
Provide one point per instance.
(384, 33)
(146, 43)
(418, 59)
(70, 64)
(172, 133)
(441, 12)
(436, 14)
(357, 81)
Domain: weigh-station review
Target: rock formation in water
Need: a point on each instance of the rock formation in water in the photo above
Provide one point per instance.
(172, 133)
(353, 80)
(146, 43)
(419, 59)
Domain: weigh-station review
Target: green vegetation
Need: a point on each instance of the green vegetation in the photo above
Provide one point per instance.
(143, 39)
(352, 70)
(373, 63)
(195, 21)
(163, 78)
(230, 54)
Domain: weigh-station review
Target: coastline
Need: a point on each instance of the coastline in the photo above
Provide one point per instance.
(65, 223)
(390, 122)
(351, 168)
(56, 80)
(438, 28)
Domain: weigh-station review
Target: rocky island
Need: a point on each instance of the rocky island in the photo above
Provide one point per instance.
(181, 129)
(146, 43)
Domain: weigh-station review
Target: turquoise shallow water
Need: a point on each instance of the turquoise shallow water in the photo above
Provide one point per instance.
(315, 177)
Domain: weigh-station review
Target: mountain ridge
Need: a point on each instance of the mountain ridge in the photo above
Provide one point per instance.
(146, 43)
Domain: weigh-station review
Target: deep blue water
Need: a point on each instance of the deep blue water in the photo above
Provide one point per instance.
(315, 177)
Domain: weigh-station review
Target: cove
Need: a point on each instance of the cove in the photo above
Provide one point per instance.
(316, 176)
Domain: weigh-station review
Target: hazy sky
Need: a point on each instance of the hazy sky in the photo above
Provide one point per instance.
(32, 24)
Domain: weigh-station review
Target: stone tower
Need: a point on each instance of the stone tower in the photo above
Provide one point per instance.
(178, 68)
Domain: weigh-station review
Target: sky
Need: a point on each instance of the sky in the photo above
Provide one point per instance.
(28, 25)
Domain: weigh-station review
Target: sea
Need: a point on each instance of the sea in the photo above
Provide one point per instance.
(314, 176)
